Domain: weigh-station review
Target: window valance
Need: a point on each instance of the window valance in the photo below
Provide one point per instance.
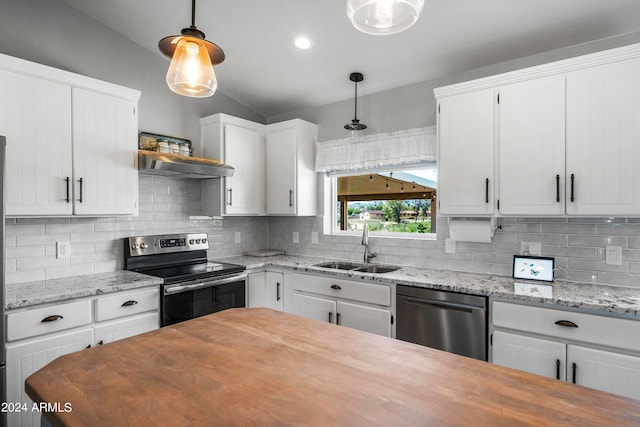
(393, 149)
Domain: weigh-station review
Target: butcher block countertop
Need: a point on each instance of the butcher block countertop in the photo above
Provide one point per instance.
(255, 366)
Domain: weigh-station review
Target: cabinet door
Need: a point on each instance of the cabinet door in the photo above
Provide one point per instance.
(534, 355)
(466, 153)
(124, 328)
(27, 357)
(368, 319)
(266, 290)
(320, 309)
(603, 130)
(244, 191)
(281, 179)
(603, 370)
(35, 117)
(531, 147)
(104, 154)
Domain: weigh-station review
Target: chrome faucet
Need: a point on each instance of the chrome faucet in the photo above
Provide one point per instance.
(365, 242)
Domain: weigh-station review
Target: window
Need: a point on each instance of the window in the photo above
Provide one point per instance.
(393, 203)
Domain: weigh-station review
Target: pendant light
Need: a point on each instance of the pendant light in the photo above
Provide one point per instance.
(381, 17)
(355, 123)
(192, 60)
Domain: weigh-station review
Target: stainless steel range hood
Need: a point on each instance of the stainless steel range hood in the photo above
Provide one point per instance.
(173, 165)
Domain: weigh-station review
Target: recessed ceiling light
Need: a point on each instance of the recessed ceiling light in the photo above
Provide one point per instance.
(302, 43)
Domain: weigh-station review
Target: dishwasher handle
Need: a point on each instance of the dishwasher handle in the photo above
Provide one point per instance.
(445, 304)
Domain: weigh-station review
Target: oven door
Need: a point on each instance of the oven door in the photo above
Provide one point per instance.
(188, 300)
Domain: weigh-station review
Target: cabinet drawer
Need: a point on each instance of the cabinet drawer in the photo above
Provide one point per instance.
(45, 320)
(591, 328)
(125, 328)
(344, 289)
(126, 303)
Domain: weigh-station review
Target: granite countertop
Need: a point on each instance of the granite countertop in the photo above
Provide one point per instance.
(586, 296)
(615, 300)
(20, 295)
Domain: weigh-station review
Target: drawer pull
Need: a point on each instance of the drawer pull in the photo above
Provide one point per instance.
(567, 323)
(129, 303)
(336, 287)
(52, 318)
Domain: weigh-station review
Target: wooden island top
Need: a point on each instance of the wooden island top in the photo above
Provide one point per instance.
(254, 366)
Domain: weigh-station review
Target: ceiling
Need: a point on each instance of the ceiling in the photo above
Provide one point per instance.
(266, 73)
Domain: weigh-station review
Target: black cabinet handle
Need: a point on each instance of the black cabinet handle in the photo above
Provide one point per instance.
(573, 179)
(277, 291)
(67, 180)
(230, 196)
(81, 185)
(567, 323)
(52, 318)
(557, 369)
(337, 318)
(558, 188)
(486, 190)
(330, 317)
(337, 287)
(574, 368)
(100, 342)
(290, 198)
(129, 303)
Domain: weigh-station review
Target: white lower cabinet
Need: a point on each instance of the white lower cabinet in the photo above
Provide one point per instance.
(266, 289)
(37, 336)
(585, 349)
(359, 305)
(26, 357)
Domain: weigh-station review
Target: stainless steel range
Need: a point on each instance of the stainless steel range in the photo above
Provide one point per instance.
(193, 286)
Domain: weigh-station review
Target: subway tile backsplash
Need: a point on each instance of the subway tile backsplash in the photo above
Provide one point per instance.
(166, 205)
(169, 205)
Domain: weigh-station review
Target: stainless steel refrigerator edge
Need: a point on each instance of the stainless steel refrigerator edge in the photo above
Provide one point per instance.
(3, 358)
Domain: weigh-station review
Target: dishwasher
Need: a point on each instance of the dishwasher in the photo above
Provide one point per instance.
(448, 321)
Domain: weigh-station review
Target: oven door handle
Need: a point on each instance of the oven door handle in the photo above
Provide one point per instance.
(174, 289)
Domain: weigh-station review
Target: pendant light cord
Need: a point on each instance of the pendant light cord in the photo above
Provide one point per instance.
(193, 14)
(355, 104)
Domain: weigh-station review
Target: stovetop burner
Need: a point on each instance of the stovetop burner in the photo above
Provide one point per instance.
(174, 257)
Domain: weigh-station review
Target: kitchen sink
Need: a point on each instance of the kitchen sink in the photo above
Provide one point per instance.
(337, 265)
(362, 268)
(376, 269)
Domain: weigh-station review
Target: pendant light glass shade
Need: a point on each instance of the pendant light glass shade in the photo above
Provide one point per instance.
(192, 60)
(191, 72)
(381, 17)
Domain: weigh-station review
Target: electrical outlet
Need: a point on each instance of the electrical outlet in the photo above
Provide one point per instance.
(531, 248)
(296, 237)
(63, 249)
(449, 246)
(613, 255)
(314, 237)
(238, 236)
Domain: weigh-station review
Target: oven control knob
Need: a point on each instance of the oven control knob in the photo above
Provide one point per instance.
(191, 241)
(143, 245)
(204, 240)
(197, 241)
(134, 247)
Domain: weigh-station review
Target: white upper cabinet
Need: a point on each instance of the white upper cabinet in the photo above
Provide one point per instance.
(466, 153)
(291, 177)
(35, 117)
(105, 130)
(603, 133)
(238, 143)
(531, 147)
(566, 139)
(71, 142)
